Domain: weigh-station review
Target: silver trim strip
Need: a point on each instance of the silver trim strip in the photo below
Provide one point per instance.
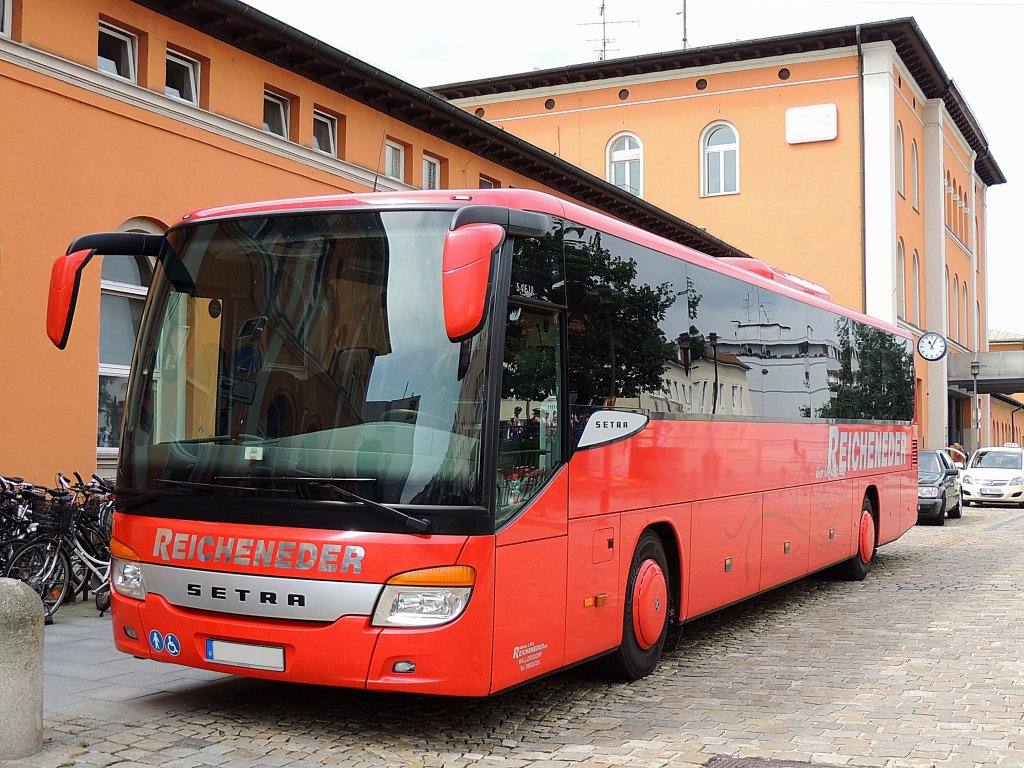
(263, 596)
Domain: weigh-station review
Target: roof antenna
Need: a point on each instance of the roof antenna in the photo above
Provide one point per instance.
(604, 40)
(376, 171)
(683, 14)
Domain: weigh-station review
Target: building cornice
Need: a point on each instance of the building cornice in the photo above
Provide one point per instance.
(906, 37)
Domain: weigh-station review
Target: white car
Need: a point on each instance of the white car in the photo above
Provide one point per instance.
(994, 476)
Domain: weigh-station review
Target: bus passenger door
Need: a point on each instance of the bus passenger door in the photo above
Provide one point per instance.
(532, 500)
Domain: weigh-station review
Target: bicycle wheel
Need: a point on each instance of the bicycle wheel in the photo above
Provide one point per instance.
(43, 565)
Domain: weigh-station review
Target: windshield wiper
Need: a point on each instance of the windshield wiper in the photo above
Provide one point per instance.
(417, 524)
(179, 487)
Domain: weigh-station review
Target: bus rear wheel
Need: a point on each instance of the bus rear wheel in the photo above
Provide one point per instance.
(857, 567)
(645, 619)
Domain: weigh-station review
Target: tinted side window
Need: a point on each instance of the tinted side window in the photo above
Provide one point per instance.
(618, 347)
(874, 378)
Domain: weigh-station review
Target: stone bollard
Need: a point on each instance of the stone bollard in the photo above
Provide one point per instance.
(21, 671)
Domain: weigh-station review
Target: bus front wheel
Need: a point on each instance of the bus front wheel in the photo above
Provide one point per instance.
(646, 614)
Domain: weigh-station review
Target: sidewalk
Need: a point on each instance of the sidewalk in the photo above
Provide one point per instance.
(84, 675)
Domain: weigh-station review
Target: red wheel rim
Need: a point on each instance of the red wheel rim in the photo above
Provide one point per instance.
(867, 536)
(650, 604)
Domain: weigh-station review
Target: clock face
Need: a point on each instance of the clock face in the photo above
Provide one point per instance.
(932, 346)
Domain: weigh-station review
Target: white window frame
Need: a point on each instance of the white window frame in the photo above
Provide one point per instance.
(6, 9)
(133, 51)
(901, 161)
(394, 159)
(915, 178)
(106, 455)
(917, 290)
(431, 165)
(332, 129)
(720, 150)
(193, 75)
(286, 110)
(956, 308)
(626, 156)
(901, 281)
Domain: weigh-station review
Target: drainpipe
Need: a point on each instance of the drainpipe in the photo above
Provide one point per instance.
(863, 192)
(1013, 430)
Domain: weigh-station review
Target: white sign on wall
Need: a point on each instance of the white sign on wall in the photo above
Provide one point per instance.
(818, 122)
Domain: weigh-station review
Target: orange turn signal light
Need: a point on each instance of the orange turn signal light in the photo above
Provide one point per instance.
(443, 576)
(123, 551)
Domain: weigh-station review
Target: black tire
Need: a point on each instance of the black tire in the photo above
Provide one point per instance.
(636, 658)
(958, 511)
(102, 597)
(941, 519)
(44, 566)
(858, 566)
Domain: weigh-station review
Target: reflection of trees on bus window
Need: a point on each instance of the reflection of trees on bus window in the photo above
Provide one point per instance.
(869, 384)
(616, 343)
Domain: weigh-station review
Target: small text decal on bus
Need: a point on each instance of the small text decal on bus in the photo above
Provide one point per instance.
(608, 426)
(852, 450)
(269, 553)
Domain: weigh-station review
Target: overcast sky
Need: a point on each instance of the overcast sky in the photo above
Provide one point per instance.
(977, 43)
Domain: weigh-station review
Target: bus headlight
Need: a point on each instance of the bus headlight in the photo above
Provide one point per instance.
(425, 598)
(126, 571)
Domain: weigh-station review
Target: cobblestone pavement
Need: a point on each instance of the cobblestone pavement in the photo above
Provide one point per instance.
(920, 665)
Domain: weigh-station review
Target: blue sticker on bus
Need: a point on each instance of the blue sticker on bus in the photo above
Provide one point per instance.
(156, 640)
(172, 645)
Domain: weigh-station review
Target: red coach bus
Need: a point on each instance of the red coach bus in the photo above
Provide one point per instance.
(450, 442)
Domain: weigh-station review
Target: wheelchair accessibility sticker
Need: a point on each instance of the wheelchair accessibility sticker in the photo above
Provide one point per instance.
(172, 645)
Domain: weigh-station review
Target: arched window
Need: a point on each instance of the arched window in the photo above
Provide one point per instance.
(720, 149)
(954, 320)
(959, 212)
(915, 185)
(901, 282)
(965, 310)
(900, 159)
(948, 198)
(625, 163)
(915, 310)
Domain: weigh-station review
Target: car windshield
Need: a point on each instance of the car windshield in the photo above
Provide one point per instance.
(997, 460)
(928, 463)
(303, 354)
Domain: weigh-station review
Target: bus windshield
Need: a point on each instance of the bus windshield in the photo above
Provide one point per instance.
(305, 356)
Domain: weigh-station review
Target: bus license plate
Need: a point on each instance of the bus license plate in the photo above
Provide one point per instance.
(244, 655)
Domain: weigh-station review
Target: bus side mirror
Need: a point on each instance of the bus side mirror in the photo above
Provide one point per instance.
(65, 279)
(466, 275)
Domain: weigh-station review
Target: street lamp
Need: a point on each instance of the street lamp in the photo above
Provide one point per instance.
(976, 416)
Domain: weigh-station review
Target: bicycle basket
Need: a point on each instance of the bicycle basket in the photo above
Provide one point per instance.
(53, 517)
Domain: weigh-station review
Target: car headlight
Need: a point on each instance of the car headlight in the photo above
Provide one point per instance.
(126, 571)
(1017, 481)
(927, 492)
(425, 598)
(967, 479)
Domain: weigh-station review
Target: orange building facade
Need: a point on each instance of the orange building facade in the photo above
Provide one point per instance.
(124, 115)
(846, 156)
